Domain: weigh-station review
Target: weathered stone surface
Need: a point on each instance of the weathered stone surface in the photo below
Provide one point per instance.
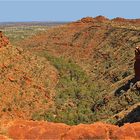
(22, 129)
(137, 63)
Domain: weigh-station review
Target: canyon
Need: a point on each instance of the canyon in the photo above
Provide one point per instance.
(71, 81)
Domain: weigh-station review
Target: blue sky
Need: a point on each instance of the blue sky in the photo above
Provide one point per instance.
(66, 10)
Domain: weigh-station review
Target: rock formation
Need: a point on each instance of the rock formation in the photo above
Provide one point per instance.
(123, 20)
(92, 20)
(38, 130)
(137, 64)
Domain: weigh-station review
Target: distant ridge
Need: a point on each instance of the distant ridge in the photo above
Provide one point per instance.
(105, 19)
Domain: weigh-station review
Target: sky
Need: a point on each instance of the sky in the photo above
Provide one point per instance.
(56, 10)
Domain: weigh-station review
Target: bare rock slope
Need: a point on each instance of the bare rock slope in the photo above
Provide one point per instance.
(26, 82)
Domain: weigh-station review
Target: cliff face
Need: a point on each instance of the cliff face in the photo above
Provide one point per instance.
(47, 130)
(104, 19)
(137, 63)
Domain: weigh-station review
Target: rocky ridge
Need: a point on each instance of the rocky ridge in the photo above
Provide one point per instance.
(47, 130)
(105, 19)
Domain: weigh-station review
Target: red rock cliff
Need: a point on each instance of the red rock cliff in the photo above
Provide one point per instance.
(137, 63)
(47, 130)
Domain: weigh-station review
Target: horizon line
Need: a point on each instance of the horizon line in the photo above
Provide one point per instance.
(59, 21)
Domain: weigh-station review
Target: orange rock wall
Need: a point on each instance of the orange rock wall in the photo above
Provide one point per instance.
(137, 64)
(47, 130)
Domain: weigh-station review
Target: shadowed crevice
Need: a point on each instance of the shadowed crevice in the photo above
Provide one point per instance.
(133, 116)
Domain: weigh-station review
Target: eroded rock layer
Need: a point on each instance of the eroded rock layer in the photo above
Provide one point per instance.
(47, 130)
(137, 63)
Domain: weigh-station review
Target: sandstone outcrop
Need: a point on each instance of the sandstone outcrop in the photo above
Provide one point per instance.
(38, 130)
(137, 64)
(92, 20)
(87, 20)
(123, 20)
(102, 19)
